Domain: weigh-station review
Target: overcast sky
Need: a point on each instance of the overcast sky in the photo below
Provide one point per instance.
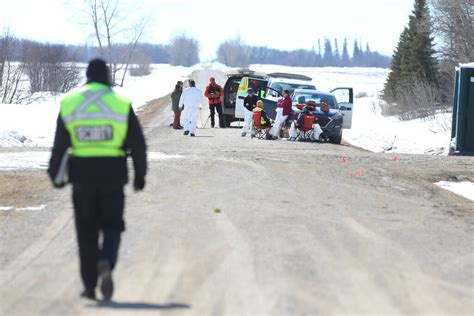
(275, 23)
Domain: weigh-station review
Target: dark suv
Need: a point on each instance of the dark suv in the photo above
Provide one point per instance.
(338, 117)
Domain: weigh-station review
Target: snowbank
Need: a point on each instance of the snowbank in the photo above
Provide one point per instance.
(33, 125)
(465, 188)
(370, 129)
(159, 83)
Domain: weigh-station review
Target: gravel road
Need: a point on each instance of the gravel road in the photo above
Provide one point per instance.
(301, 231)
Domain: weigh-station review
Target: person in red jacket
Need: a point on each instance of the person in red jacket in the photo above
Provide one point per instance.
(215, 94)
(282, 112)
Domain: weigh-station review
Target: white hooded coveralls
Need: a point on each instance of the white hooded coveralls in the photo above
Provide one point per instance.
(191, 99)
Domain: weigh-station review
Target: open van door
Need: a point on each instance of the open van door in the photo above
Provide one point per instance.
(259, 87)
(345, 102)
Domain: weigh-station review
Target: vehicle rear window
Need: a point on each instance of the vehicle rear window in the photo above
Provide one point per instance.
(317, 98)
(280, 86)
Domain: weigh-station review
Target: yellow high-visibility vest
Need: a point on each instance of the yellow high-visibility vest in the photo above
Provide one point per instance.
(97, 120)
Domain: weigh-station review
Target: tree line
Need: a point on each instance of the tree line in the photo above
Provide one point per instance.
(235, 53)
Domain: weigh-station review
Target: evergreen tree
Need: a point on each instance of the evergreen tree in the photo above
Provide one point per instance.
(422, 60)
(413, 59)
(337, 55)
(367, 55)
(345, 59)
(328, 58)
(356, 55)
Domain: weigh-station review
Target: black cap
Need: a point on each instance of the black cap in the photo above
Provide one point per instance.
(97, 71)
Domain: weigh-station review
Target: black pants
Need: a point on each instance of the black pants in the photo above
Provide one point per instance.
(97, 209)
(217, 107)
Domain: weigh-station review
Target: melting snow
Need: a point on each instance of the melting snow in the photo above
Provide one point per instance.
(155, 156)
(24, 160)
(465, 188)
(29, 208)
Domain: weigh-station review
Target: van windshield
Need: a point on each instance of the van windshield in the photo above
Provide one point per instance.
(280, 86)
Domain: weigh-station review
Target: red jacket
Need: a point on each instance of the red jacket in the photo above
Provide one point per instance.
(286, 104)
(218, 93)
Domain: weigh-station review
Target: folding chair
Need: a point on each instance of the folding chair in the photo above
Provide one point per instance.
(258, 130)
(306, 131)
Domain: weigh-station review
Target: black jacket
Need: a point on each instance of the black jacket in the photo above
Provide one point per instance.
(175, 96)
(106, 170)
(251, 101)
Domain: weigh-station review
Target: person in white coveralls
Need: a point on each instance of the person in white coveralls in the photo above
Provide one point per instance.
(190, 100)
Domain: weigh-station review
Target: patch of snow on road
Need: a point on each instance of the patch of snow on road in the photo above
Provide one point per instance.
(465, 188)
(24, 160)
(29, 208)
(157, 156)
(40, 159)
(32, 208)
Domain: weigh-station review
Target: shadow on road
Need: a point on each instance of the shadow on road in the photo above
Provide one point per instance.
(139, 305)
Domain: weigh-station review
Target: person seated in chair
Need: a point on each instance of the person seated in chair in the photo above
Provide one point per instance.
(308, 110)
(264, 120)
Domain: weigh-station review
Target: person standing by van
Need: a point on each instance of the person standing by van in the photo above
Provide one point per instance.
(215, 94)
(283, 111)
(250, 102)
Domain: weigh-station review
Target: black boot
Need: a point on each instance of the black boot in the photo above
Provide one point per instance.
(105, 275)
(89, 294)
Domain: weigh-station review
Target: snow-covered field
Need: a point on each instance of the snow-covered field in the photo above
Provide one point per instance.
(33, 125)
(371, 130)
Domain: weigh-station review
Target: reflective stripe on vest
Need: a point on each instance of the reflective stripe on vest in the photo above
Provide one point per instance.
(95, 98)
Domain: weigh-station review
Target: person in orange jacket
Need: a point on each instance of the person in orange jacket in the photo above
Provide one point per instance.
(215, 94)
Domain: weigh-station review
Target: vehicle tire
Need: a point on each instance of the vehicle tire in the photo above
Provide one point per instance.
(337, 140)
(228, 120)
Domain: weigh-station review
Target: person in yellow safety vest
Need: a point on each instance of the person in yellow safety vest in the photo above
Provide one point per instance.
(264, 120)
(101, 130)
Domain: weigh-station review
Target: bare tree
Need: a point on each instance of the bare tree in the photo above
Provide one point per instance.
(420, 99)
(183, 51)
(12, 81)
(114, 22)
(140, 65)
(233, 53)
(454, 24)
(137, 34)
(50, 68)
